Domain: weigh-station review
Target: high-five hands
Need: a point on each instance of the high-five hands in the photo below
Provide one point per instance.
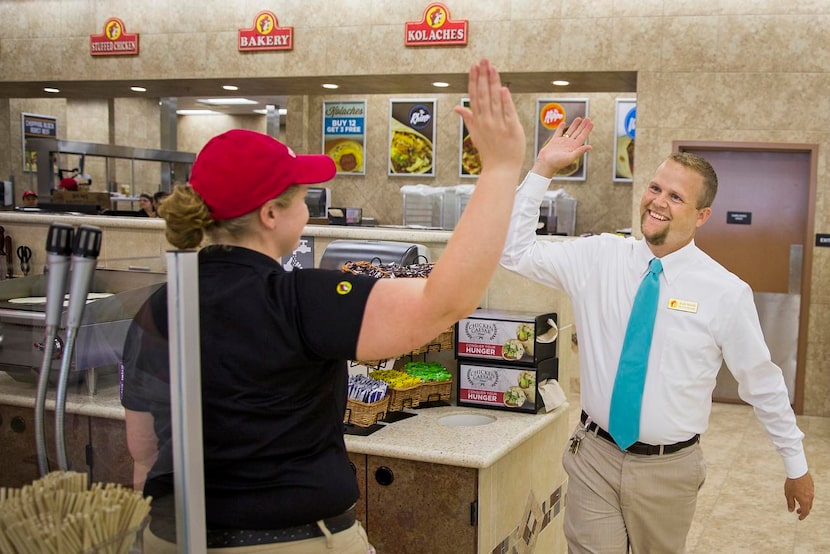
(564, 147)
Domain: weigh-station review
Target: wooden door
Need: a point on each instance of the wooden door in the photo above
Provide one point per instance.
(416, 507)
(18, 462)
(759, 231)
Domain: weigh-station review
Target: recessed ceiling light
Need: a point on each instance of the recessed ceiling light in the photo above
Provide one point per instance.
(230, 87)
(227, 101)
(138, 89)
(330, 85)
(560, 83)
(440, 84)
(197, 112)
(281, 111)
(51, 90)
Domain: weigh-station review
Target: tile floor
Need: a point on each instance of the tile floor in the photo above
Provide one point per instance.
(741, 507)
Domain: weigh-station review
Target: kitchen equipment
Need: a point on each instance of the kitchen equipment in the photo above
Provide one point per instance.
(339, 252)
(58, 248)
(318, 200)
(3, 262)
(9, 257)
(24, 254)
(100, 338)
(85, 250)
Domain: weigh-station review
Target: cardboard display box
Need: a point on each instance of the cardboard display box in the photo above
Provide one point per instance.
(503, 387)
(100, 199)
(506, 337)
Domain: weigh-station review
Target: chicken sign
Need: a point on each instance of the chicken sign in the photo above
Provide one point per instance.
(436, 29)
(114, 41)
(266, 34)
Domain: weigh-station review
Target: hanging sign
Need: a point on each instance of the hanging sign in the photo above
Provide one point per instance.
(436, 29)
(553, 113)
(266, 34)
(114, 41)
(344, 135)
(302, 256)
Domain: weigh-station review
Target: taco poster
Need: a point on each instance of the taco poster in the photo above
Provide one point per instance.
(624, 134)
(469, 162)
(344, 135)
(411, 137)
(550, 114)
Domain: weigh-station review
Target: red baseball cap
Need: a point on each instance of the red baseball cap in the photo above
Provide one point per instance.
(28, 193)
(238, 171)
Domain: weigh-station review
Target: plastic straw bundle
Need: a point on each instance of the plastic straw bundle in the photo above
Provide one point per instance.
(58, 515)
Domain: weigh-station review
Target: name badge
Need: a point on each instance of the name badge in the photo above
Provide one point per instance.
(683, 305)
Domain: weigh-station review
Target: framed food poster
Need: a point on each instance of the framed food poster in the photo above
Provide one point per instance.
(625, 129)
(469, 162)
(344, 135)
(411, 137)
(550, 115)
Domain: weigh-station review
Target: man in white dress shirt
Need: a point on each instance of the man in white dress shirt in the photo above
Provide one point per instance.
(644, 497)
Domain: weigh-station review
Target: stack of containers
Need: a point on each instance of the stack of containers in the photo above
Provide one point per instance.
(503, 356)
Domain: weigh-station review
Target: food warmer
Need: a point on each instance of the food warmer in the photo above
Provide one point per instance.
(113, 300)
(338, 252)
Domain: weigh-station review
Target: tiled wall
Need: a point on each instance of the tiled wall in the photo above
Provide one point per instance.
(709, 70)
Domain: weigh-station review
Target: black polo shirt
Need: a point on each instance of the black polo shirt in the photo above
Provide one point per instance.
(274, 377)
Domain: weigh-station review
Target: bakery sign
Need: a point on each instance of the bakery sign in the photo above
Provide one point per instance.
(266, 34)
(114, 41)
(436, 29)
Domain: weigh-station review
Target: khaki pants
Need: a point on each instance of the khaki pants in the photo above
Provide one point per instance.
(616, 499)
(351, 541)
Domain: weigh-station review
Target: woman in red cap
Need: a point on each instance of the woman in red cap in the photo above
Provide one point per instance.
(274, 344)
(29, 199)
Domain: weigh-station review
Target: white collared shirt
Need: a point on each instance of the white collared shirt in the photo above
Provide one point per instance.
(706, 315)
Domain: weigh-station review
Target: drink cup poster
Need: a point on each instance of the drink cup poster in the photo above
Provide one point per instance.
(469, 162)
(344, 135)
(550, 115)
(411, 137)
(624, 134)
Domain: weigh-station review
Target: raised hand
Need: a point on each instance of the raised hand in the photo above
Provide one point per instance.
(494, 126)
(563, 147)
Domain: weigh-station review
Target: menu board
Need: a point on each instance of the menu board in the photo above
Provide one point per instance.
(551, 113)
(36, 126)
(344, 135)
(625, 129)
(411, 137)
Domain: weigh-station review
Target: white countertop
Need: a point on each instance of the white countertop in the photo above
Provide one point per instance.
(424, 438)
(106, 403)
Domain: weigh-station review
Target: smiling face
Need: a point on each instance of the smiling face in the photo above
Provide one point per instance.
(669, 212)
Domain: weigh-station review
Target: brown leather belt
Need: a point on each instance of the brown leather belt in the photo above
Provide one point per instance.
(224, 538)
(640, 448)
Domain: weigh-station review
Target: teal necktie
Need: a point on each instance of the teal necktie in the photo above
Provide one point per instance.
(627, 397)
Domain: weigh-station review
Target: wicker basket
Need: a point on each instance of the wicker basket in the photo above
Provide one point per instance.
(404, 397)
(444, 341)
(373, 364)
(363, 414)
(434, 391)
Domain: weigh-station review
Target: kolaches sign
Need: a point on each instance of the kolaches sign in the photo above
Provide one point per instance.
(436, 29)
